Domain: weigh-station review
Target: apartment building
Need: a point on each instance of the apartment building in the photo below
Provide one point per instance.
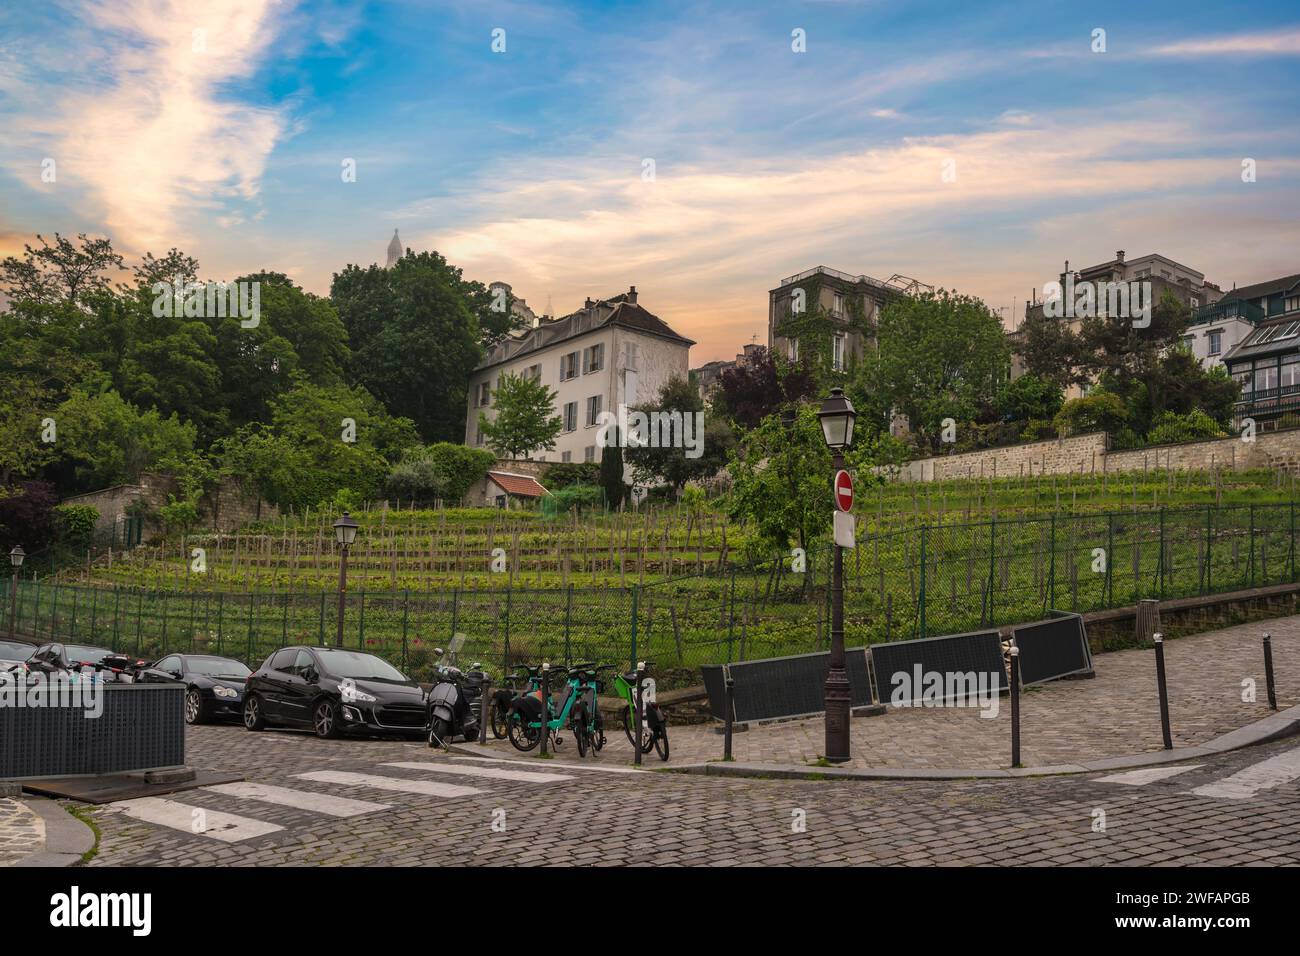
(839, 296)
(1266, 363)
(610, 352)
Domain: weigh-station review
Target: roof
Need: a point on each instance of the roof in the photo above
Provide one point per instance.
(1273, 286)
(526, 486)
(621, 310)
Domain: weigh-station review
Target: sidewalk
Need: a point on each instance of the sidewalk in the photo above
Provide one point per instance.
(1062, 722)
(22, 831)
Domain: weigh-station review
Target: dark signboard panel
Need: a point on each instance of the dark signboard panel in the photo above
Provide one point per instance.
(976, 653)
(1052, 648)
(784, 686)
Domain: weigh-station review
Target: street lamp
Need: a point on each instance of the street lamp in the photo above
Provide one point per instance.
(16, 559)
(836, 416)
(345, 531)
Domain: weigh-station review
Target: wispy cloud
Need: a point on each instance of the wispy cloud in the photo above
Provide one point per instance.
(1273, 43)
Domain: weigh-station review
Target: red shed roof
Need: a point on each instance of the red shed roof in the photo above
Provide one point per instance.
(525, 486)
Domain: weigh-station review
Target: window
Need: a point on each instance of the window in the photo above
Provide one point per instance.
(283, 660)
(303, 663)
(484, 394)
(629, 356)
(566, 456)
(534, 372)
(1194, 302)
(478, 438)
(794, 350)
(1216, 341)
(1290, 372)
(1242, 376)
(593, 409)
(838, 308)
(837, 353)
(570, 416)
(593, 358)
(589, 453)
(1265, 377)
(169, 665)
(1188, 340)
(1292, 303)
(568, 366)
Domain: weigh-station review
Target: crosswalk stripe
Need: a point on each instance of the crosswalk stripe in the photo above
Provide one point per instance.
(1264, 775)
(226, 827)
(1138, 778)
(566, 766)
(467, 770)
(427, 788)
(299, 799)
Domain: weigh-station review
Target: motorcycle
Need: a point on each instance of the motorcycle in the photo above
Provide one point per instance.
(454, 704)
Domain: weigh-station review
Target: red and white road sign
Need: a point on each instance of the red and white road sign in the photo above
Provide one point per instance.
(843, 490)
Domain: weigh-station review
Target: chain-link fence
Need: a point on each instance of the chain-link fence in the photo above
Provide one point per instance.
(932, 580)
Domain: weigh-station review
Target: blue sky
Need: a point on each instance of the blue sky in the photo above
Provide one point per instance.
(527, 165)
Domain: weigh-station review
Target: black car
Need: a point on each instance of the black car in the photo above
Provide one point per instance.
(13, 654)
(334, 692)
(215, 685)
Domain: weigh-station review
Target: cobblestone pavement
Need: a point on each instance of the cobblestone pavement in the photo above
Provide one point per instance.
(22, 832)
(1062, 722)
(335, 803)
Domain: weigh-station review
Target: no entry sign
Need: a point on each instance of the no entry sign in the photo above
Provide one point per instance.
(843, 490)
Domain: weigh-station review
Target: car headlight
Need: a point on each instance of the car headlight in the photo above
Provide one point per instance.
(223, 691)
(361, 697)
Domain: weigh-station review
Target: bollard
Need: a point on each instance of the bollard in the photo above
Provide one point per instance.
(484, 705)
(1268, 672)
(640, 675)
(727, 717)
(546, 705)
(1015, 706)
(1164, 688)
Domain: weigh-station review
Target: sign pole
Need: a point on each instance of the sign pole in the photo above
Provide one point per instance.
(837, 694)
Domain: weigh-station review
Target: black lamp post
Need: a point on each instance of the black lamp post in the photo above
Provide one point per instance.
(836, 418)
(16, 559)
(345, 530)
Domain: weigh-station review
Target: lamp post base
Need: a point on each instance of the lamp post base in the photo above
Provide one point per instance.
(838, 700)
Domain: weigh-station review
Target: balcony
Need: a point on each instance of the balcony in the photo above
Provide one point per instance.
(1266, 403)
(1227, 312)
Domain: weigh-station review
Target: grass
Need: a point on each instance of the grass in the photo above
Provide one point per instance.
(86, 815)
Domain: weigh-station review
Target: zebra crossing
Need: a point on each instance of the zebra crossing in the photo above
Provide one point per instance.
(470, 775)
(1249, 783)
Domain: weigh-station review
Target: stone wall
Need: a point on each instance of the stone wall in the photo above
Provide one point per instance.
(1089, 453)
(226, 508)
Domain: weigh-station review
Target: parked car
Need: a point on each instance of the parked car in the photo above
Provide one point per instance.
(214, 685)
(333, 692)
(14, 654)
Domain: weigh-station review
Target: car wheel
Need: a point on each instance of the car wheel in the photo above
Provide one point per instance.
(325, 720)
(196, 710)
(439, 732)
(253, 719)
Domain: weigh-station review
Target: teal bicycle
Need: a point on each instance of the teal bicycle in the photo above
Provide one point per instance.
(576, 708)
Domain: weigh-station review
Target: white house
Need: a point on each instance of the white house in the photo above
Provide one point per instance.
(609, 352)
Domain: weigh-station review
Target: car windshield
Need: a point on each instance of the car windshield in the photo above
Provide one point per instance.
(216, 667)
(13, 651)
(85, 654)
(357, 665)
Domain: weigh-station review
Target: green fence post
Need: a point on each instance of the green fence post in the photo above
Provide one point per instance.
(636, 594)
(455, 609)
(568, 617)
(993, 543)
(1108, 583)
(406, 609)
(1051, 569)
(321, 634)
(164, 623)
(54, 613)
(925, 533)
(284, 620)
(361, 620)
(36, 609)
(193, 599)
(1252, 546)
(73, 628)
(139, 620)
(1291, 552)
(250, 625)
(94, 613)
(117, 625)
(731, 621)
(510, 592)
(221, 614)
(1162, 553)
(1209, 550)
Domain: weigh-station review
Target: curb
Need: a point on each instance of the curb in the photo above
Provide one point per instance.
(1281, 725)
(67, 839)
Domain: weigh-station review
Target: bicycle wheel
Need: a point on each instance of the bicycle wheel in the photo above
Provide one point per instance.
(661, 742)
(625, 718)
(499, 723)
(523, 736)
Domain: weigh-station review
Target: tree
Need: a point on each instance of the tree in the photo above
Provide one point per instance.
(1029, 397)
(443, 470)
(939, 355)
(105, 440)
(1097, 411)
(64, 272)
(758, 385)
(611, 473)
(414, 334)
(523, 421)
(677, 446)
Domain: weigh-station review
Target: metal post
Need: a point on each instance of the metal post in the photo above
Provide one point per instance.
(1164, 689)
(640, 710)
(727, 717)
(343, 590)
(406, 611)
(1162, 553)
(731, 616)
(635, 596)
(546, 704)
(13, 606)
(836, 693)
(993, 544)
(568, 614)
(1015, 706)
(920, 592)
(484, 704)
(1268, 672)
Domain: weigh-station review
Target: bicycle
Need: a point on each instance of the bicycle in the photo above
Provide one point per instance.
(577, 709)
(504, 697)
(654, 724)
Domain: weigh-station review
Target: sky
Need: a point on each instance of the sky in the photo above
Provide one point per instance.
(699, 151)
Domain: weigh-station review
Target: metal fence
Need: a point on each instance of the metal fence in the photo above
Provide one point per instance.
(932, 580)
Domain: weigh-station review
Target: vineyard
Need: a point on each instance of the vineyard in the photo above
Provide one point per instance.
(674, 586)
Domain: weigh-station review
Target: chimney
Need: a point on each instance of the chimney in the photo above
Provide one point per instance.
(1119, 255)
(631, 295)
(588, 304)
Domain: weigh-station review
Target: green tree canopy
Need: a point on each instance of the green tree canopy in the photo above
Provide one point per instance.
(525, 421)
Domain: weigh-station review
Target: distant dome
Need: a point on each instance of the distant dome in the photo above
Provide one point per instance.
(394, 250)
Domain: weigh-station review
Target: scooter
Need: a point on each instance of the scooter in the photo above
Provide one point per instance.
(453, 706)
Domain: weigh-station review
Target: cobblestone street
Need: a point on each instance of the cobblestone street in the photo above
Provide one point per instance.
(374, 802)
